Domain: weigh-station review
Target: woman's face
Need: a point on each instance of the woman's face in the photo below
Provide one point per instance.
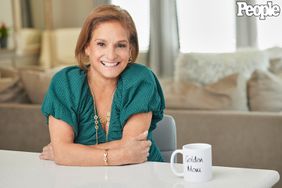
(109, 50)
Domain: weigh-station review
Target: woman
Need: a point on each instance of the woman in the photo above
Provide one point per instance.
(104, 111)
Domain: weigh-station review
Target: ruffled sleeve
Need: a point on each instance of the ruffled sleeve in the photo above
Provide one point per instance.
(141, 93)
(60, 99)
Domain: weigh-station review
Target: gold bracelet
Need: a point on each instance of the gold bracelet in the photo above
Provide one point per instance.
(106, 156)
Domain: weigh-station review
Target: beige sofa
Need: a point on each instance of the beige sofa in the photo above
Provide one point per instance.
(213, 103)
(239, 139)
(232, 101)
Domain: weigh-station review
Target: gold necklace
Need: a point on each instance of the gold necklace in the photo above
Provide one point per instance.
(96, 116)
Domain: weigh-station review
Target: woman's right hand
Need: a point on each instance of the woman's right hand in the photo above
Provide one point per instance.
(136, 150)
(47, 153)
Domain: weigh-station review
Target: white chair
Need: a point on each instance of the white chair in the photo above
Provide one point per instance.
(165, 136)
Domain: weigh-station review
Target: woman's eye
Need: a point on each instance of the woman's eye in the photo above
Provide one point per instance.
(101, 44)
(121, 45)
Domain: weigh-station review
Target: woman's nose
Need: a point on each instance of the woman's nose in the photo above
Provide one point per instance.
(111, 53)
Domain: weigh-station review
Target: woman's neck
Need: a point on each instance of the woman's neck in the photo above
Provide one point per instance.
(99, 84)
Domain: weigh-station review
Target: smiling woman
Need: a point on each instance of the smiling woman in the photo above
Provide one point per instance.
(109, 48)
(104, 111)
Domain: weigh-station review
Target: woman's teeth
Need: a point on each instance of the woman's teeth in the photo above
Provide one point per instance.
(109, 64)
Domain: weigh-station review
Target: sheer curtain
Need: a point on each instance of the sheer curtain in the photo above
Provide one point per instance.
(246, 29)
(26, 13)
(164, 43)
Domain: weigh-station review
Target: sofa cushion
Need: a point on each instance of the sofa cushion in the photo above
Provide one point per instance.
(206, 68)
(62, 46)
(11, 89)
(28, 41)
(36, 83)
(275, 59)
(276, 65)
(264, 92)
(228, 93)
(8, 72)
(274, 53)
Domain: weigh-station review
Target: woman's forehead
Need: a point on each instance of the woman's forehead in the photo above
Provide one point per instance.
(110, 29)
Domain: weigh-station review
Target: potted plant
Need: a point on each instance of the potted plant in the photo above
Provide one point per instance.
(3, 36)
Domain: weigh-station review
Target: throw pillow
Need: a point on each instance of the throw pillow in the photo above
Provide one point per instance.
(64, 46)
(207, 68)
(264, 92)
(274, 53)
(228, 93)
(275, 59)
(36, 83)
(8, 72)
(11, 89)
(276, 65)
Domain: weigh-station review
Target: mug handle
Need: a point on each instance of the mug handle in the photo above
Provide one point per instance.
(172, 162)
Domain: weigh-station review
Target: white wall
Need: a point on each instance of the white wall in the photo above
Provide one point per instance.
(6, 12)
(6, 16)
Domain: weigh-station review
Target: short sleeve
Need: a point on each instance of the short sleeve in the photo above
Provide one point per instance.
(59, 100)
(141, 93)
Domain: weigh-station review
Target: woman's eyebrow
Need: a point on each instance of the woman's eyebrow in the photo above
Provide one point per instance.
(103, 40)
(100, 40)
(123, 41)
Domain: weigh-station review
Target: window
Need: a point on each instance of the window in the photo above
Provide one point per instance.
(269, 30)
(206, 26)
(140, 12)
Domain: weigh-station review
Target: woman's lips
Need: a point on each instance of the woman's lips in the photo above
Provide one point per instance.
(107, 64)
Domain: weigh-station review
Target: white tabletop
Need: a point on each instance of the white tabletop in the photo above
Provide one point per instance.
(24, 169)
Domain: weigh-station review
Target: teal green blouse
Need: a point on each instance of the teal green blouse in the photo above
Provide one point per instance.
(69, 99)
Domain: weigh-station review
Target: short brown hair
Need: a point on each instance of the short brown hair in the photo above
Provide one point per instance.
(99, 15)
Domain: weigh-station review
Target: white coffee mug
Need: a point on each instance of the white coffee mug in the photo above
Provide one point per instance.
(197, 162)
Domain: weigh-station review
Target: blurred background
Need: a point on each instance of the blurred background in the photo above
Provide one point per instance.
(166, 28)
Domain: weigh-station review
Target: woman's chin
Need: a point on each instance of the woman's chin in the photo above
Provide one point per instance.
(112, 72)
(110, 76)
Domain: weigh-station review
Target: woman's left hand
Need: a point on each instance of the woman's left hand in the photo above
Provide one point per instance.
(47, 153)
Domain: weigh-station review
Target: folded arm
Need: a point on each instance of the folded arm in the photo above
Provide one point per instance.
(132, 148)
(135, 125)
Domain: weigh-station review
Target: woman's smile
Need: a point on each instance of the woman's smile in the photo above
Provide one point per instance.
(110, 64)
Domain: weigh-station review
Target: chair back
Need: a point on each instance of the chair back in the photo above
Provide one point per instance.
(165, 136)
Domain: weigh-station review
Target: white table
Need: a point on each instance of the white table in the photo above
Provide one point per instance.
(24, 169)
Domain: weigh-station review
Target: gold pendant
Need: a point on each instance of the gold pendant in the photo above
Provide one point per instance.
(108, 117)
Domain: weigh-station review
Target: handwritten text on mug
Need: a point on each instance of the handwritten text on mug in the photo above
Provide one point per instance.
(193, 159)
